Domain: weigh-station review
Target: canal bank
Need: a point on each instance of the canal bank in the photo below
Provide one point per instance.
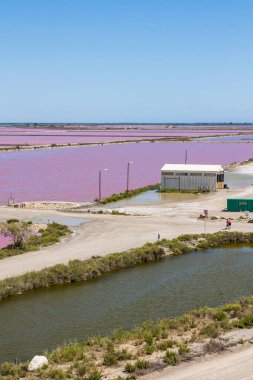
(46, 318)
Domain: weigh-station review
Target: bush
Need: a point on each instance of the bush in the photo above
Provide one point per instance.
(148, 339)
(68, 353)
(94, 375)
(110, 356)
(130, 368)
(219, 315)
(12, 221)
(214, 346)
(81, 369)
(165, 345)
(210, 330)
(142, 364)
(244, 322)
(171, 358)
(49, 236)
(150, 349)
(54, 373)
(234, 307)
(11, 369)
(183, 349)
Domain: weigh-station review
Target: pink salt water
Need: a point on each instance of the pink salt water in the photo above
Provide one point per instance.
(4, 241)
(72, 174)
(12, 136)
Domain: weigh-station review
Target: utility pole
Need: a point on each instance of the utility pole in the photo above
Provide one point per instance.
(128, 168)
(186, 154)
(99, 184)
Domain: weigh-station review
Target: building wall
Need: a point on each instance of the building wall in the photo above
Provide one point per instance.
(191, 181)
(239, 204)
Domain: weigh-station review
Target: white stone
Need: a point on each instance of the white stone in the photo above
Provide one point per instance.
(37, 362)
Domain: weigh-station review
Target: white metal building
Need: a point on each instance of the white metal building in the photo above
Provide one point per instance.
(192, 177)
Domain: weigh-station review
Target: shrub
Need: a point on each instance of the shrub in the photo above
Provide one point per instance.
(22, 244)
(81, 369)
(55, 373)
(234, 307)
(183, 349)
(219, 315)
(150, 349)
(210, 330)
(68, 353)
(244, 322)
(171, 358)
(148, 339)
(214, 346)
(11, 369)
(94, 375)
(130, 368)
(163, 346)
(13, 220)
(110, 357)
(142, 364)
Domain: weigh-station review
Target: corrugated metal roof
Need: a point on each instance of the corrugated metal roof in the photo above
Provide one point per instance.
(192, 168)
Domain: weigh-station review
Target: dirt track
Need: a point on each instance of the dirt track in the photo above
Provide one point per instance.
(237, 365)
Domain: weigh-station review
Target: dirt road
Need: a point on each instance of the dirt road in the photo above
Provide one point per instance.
(236, 365)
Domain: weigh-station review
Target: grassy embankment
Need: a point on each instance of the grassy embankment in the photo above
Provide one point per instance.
(127, 194)
(45, 237)
(77, 270)
(127, 354)
(154, 345)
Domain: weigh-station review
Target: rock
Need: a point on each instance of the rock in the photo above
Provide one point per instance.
(37, 362)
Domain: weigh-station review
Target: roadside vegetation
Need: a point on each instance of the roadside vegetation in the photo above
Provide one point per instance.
(129, 354)
(25, 240)
(85, 270)
(127, 194)
(154, 345)
(77, 270)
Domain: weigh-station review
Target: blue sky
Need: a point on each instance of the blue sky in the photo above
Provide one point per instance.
(126, 60)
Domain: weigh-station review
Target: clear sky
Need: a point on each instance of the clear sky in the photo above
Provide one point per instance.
(126, 60)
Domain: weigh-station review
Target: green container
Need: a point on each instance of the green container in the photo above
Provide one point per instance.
(241, 204)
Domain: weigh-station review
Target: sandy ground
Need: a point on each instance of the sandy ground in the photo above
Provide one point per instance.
(235, 365)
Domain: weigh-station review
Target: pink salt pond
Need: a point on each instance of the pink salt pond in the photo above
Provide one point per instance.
(4, 241)
(71, 174)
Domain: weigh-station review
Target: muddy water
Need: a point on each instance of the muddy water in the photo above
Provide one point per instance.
(152, 197)
(42, 319)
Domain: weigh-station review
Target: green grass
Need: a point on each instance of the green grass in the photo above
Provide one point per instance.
(51, 235)
(77, 270)
(127, 194)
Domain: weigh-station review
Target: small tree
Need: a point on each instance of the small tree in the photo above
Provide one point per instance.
(17, 231)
